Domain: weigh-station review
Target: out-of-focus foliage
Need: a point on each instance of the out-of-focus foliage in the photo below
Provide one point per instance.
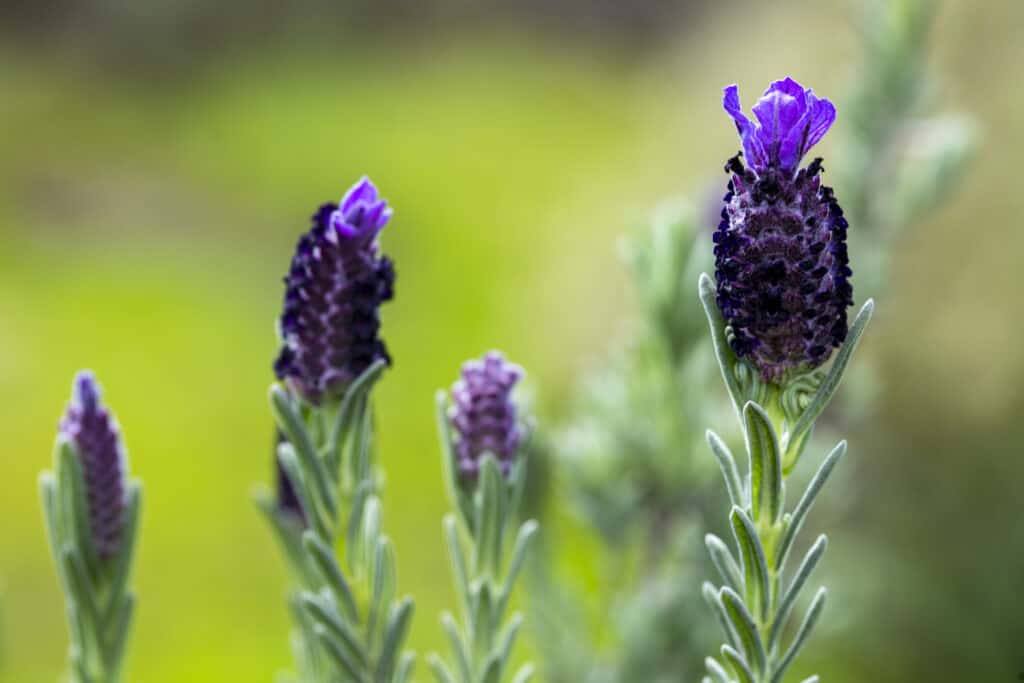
(633, 465)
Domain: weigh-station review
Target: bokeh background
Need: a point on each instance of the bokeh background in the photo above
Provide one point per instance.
(159, 159)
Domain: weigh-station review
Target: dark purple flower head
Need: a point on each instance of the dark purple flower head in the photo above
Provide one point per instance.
(484, 415)
(780, 250)
(790, 120)
(88, 425)
(337, 282)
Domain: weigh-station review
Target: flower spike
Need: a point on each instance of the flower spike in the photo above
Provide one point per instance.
(781, 264)
(338, 279)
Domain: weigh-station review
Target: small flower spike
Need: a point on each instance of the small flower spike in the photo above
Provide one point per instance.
(781, 265)
(338, 279)
(89, 426)
(484, 416)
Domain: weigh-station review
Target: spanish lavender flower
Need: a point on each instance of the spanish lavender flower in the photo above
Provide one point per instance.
(90, 427)
(484, 415)
(337, 282)
(781, 261)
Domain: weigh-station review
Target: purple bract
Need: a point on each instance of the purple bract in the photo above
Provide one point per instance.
(484, 415)
(790, 120)
(93, 432)
(781, 261)
(337, 282)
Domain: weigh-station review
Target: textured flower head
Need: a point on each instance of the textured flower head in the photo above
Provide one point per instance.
(333, 291)
(781, 260)
(89, 426)
(790, 120)
(484, 415)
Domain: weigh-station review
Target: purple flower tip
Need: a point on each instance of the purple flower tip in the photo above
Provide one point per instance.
(361, 213)
(338, 279)
(781, 263)
(790, 120)
(88, 425)
(484, 415)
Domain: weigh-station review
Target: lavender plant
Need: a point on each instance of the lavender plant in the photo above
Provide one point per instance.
(91, 511)
(481, 434)
(630, 457)
(349, 624)
(776, 313)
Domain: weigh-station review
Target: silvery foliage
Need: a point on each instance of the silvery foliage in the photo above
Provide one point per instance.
(98, 601)
(478, 538)
(755, 600)
(634, 436)
(350, 627)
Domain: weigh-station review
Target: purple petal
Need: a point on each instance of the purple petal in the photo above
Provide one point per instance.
(790, 120)
(363, 191)
(339, 223)
(752, 147)
(778, 113)
(822, 114)
(787, 86)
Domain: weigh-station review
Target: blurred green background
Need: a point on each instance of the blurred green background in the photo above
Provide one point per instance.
(158, 161)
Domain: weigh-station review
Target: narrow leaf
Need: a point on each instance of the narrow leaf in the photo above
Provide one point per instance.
(327, 565)
(455, 493)
(294, 428)
(712, 597)
(830, 384)
(323, 612)
(524, 674)
(716, 670)
(738, 664)
(118, 636)
(508, 638)
(789, 599)
(728, 465)
(492, 670)
(723, 352)
(723, 560)
(523, 540)
(76, 507)
(804, 506)
(813, 613)
(458, 646)
(51, 515)
(343, 423)
(458, 561)
(440, 669)
(755, 566)
(765, 464)
(746, 628)
(288, 530)
(394, 635)
(129, 533)
(382, 581)
(405, 667)
(340, 658)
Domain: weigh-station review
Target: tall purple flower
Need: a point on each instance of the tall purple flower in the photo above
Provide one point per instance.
(484, 415)
(780, 250)
(90, 427)
(337, 282)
